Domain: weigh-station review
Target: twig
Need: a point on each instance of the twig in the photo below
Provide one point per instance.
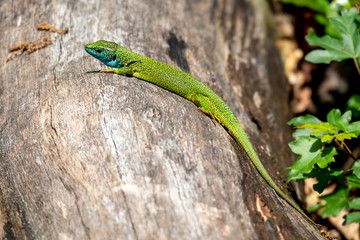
(356, 65)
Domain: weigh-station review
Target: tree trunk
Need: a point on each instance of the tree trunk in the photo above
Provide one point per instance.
(86, 155)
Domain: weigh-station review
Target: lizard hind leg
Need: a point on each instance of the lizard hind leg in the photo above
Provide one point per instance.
(205, 106)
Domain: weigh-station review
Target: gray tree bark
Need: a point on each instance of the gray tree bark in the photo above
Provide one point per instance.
(86, 155)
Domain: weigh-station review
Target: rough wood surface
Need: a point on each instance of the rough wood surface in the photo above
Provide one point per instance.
(86, 155)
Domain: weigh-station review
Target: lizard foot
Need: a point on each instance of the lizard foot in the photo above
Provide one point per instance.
(209, 114)
(108, 71)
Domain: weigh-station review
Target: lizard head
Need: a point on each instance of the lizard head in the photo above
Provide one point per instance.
(105, 52)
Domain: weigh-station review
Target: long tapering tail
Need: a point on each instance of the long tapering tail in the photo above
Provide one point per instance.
(241, 137)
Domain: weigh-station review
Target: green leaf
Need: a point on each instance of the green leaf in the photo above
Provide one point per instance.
(331, 30)
(327, 137)
(353, 127)
(323, 10)
(353, 181)
(319, 128)
(342, 136)
(324, 176)
(355, 203)
(354, 102)
(335, 49)
(353, 217)
(333, 116)
(315, 207)
(335, 202)
(301, 120)
(309, 149)
(356, 168)
(347, 116)
(302, 132)
(322, 6)
(343, 122)
(326, 157)
(348, 26)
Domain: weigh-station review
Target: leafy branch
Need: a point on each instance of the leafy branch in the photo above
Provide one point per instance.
(317, 144)
(348, 47)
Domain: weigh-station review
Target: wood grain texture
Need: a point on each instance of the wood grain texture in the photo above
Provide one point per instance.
(86, 155)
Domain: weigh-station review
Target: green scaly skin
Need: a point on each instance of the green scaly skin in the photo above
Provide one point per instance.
(129, 63)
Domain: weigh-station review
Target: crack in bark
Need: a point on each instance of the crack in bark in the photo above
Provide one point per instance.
(52, 123)
(52, 126)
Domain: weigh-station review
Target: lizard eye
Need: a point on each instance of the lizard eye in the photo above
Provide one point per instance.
(114, 58)
(98, 50)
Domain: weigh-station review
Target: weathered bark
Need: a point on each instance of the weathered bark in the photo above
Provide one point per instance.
(101, 156)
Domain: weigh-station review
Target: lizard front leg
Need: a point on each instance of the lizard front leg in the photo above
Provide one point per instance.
(120, 71)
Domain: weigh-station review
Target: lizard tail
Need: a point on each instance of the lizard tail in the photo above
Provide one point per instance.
(242, 139)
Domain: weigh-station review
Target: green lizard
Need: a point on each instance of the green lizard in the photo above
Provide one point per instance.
(129, 63)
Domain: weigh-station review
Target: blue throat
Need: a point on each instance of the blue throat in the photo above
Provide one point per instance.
(111, 59)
